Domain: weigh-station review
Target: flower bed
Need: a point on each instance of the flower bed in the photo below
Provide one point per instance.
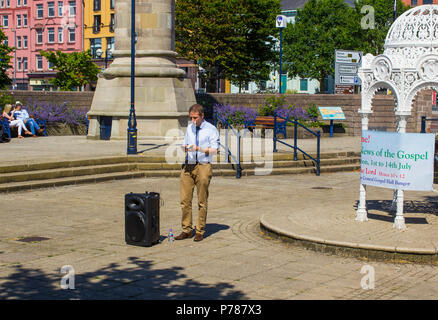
(62, 119)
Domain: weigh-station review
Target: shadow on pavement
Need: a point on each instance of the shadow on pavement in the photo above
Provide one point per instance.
(137, 280)
(428, 206)
(212, 228)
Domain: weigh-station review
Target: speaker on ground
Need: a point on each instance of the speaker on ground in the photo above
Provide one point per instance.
(142, 218)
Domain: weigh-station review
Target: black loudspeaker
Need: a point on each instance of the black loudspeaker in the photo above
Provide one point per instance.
(142, 218)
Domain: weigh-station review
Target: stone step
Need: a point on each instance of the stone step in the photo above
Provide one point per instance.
(94, 178)
(147, 159)
(66, 172)
(109, 168)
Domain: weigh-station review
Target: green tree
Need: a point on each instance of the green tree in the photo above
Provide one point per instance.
(372, 21)
(74, 69)
(232, 38)
(320, 27)
(5, 60)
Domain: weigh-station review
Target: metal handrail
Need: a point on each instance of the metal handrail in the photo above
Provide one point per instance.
(296, 123)
(225, 147)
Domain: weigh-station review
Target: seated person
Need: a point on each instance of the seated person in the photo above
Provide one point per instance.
(7, 113)
(22, 114)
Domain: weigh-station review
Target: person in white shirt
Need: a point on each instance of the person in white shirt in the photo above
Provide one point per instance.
(7, 113)
(201, 142)
(22, 114)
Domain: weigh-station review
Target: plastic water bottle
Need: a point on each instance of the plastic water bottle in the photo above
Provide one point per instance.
(170, 237)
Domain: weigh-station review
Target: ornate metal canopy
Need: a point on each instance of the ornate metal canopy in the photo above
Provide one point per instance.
(408, 65)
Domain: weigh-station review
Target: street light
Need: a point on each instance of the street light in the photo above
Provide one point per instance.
(132, 122)
(281, 24)
(15, 59)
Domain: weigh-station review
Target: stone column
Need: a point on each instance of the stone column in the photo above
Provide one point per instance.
(162, 95)
(361, 212)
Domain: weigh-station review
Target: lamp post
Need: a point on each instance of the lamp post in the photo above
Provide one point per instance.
(132, 122)
(15, 59)
(394, 14)
(281, 24)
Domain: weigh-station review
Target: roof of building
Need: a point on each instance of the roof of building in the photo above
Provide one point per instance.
(295, 4)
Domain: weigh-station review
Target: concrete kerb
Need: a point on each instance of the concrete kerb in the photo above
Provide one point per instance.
(350, 249)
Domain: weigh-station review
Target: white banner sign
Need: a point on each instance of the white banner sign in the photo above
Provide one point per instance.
(397, 160)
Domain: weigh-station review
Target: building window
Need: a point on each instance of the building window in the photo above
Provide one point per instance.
(112, 21)
(5, 21)
(39, 62)
(25, 42)
(2, 3)
(25, 64)
(18, 42)
(18, 20)
(24, 20)
(109, 44)
(71, 35)
(25, 4)
(51, 9)
(50, 65)
(413, 3)
(304, 85)
(8, 3)
(95, 44)
(40, 11)
(72, 8)
(60, 35)
(39, 37)
(50, 35)
(18, 3)
(427, 1)
(6, 42)
(60, 8)
(96, 5)
(18, 64)
(112, 4)
(96, 25)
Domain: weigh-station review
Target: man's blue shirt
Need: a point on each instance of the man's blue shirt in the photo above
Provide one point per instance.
(208, 137)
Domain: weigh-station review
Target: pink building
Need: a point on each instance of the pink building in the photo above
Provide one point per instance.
(34, 25)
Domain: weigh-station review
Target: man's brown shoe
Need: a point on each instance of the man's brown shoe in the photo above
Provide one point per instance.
(198, 237)
(184, 235)
(41, 130)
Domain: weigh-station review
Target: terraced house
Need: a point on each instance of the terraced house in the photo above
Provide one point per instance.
(35, 25)
(99, 29)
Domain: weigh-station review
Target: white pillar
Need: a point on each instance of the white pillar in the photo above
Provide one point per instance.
(399, 221)
(361, 212)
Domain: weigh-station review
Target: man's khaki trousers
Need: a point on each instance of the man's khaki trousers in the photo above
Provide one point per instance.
(198, 175)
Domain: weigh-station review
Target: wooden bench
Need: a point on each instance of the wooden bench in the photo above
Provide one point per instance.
(267, 122)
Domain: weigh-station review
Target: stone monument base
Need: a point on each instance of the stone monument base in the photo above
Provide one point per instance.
(161, 104)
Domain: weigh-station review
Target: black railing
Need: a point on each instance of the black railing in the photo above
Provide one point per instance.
(317, 134)
(228, 152)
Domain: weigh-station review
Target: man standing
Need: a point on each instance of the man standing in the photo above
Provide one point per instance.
(22, 114)
(201, 142)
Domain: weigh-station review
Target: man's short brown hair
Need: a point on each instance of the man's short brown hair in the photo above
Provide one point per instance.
(197, 108)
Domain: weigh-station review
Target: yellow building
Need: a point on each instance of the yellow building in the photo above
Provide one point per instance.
(99, 27)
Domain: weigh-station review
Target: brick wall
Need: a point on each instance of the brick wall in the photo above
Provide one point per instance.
(382, 119)
(80, 99)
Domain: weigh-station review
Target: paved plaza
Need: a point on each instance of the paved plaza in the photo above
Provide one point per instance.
(82, 226)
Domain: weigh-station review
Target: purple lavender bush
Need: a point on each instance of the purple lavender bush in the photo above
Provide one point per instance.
(234, 115)
(56, 113)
